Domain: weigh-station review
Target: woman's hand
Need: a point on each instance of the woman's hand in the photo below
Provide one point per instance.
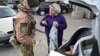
(55, 23)
(44, 23)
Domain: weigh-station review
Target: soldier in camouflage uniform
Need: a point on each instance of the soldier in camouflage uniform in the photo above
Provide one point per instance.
(24, 27)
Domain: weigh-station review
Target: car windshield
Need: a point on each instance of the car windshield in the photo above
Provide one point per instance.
(6, 12)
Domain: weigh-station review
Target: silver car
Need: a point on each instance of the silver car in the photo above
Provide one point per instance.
(6, 25)
(86, 40)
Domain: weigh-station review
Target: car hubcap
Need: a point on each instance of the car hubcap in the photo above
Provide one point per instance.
(42, 12)
(64, 11)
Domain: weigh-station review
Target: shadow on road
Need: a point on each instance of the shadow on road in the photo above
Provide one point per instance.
(6, 47)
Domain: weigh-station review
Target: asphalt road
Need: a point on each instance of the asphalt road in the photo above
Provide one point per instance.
(41, 48)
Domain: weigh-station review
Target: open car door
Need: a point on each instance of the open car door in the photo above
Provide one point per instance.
(84, 45)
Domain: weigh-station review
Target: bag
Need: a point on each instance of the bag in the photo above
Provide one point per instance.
(53, 45)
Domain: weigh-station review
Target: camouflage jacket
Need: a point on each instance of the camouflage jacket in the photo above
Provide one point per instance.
(24, 25)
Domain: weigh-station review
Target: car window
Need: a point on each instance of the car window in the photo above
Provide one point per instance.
(61, 2)
(45, 4)
(86, 33)
(6, 12)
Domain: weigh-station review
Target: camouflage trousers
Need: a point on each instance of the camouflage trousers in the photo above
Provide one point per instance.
(26, 50)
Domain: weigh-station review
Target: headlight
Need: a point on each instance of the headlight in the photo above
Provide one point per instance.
(2, 33)
(35, 9)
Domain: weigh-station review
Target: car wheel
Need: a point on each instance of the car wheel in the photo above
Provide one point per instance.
(42, 13)
(64, 11)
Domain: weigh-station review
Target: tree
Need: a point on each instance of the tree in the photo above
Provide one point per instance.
(3, 2)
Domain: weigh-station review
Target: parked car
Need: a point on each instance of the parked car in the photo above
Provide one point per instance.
(11, 5)
(43, 8)
(6, 24)
(86, 40)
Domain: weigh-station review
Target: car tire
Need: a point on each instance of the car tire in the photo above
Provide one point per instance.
(42, 13)
(64, 11)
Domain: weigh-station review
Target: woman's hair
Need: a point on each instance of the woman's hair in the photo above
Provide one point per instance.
(56, 7)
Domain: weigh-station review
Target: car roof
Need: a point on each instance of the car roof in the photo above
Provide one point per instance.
(43, 4)
(46, 2)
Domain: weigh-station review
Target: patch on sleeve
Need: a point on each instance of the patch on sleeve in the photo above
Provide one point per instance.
(23, 27)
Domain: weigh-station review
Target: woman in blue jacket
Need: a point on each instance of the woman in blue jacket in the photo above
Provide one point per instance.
(54, 18)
